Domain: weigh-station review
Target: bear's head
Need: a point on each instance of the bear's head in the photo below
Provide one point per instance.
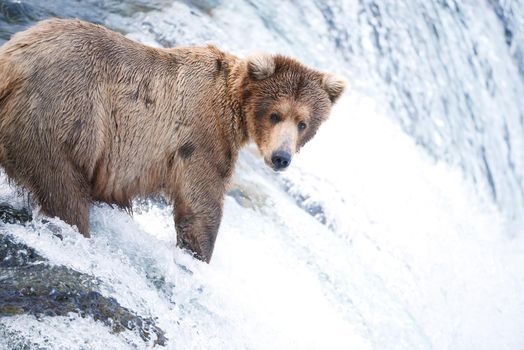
(285, 102)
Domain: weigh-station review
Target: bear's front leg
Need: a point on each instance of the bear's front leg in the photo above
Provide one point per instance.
(198, 212)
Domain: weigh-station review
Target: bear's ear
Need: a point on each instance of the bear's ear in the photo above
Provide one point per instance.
(260, 66)
(334, 86)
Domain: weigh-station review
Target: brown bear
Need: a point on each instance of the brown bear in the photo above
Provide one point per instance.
(89, 115)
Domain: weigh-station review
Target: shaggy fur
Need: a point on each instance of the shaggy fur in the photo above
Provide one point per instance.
(89, 115)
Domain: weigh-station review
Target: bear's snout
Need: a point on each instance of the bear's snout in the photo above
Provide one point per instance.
(280, 160)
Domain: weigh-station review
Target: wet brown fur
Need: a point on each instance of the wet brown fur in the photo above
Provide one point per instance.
(89, 115)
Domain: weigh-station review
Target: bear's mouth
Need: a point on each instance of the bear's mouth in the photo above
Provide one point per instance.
(277, 170)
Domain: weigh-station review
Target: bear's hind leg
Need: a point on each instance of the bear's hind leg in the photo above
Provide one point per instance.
(63, 191)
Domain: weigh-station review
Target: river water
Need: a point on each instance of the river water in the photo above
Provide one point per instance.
(400, 226)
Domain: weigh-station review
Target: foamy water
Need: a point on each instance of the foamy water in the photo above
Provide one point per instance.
(368, 241)
(410, 256)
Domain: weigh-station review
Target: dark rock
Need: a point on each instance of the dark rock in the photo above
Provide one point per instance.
(11, 215)
(31, 286)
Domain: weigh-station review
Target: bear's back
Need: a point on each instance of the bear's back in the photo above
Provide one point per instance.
(117, 109)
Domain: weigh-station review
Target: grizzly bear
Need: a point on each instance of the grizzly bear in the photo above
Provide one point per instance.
(89, 115)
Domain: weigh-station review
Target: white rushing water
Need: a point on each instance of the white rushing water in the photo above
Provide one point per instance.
(398, 227)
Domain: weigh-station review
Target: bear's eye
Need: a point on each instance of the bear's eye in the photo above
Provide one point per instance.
(275, 118)
(301, 126)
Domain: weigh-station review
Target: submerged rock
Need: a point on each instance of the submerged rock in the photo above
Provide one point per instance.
(308, 204)
(248, 196)
(11, 215)
(29, 285)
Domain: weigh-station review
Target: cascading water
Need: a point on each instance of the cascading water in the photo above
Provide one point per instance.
(374, 239)
(454, 84)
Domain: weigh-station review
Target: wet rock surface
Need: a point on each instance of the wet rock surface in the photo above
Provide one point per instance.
(308, 204)
(29, 285)
(11, 215)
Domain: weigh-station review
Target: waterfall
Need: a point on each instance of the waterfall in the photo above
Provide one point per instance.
(400, 226)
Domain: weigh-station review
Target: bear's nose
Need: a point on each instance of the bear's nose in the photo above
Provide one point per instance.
(280, 160)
